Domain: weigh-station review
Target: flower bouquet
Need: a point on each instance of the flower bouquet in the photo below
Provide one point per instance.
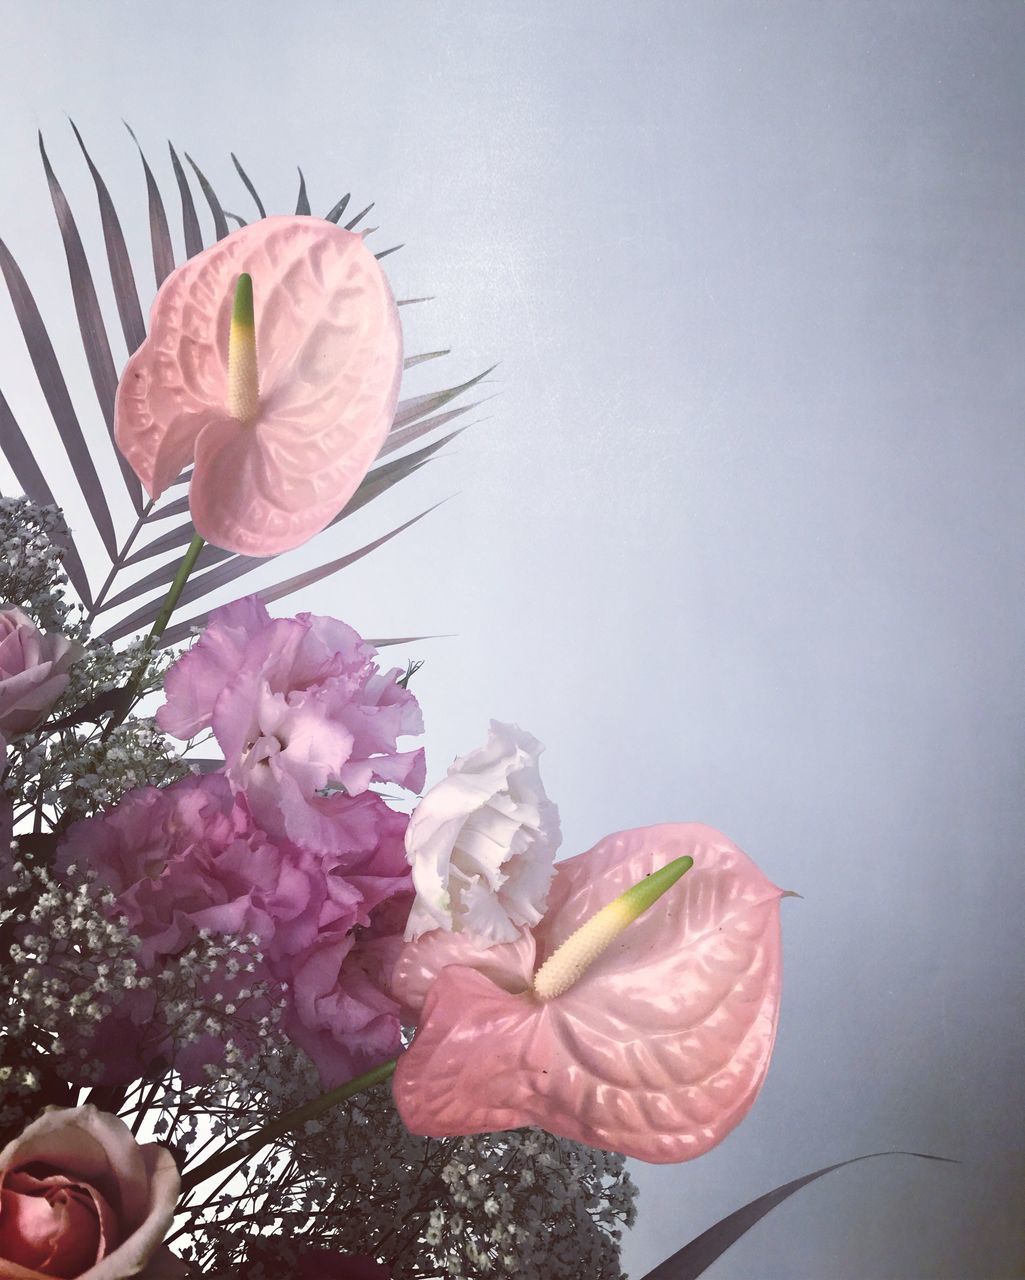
(271, 1007)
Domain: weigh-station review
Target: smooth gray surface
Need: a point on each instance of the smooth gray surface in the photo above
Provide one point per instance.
(742, 537)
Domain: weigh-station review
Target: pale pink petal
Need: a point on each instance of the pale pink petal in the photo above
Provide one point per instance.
(329, 349)
(197, 679)
(657, 1052)
(510, 965)
(142, 1246)
(133, 1188)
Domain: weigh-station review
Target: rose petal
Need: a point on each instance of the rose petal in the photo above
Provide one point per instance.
(140, 1252)
(657, 1052)
(133, 1188)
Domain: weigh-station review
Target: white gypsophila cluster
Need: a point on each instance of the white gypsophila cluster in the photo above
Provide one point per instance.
(76, 773)
(101, 770)
(355, 1181)
(32, 541)
(68, 963)
(525, 1202)
(72, 963)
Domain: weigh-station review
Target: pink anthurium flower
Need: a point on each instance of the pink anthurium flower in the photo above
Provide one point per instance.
(650, 1036)
(283, 429)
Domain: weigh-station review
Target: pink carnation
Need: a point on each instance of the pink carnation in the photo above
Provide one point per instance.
(298, 706)
(190, 857)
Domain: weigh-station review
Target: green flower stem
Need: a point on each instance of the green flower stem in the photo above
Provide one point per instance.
(275, 1129)
(177, 587)
(156, 631)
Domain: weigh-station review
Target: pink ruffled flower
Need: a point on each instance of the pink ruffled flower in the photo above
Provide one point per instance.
(34, 671)
(342, 1011)
(298, 705)
(81, 1199)
(328, 344)
(190, 857)
(657, 1051)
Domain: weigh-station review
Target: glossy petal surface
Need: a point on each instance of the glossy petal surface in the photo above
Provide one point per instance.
(657, 1052)
(329, 349)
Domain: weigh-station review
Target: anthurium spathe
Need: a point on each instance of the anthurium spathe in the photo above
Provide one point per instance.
(284, 425)
(652, 1040)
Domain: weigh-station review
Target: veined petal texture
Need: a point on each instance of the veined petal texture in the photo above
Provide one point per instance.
(329, 351)
(658, 1051)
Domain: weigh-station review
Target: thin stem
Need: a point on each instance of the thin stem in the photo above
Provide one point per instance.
(156, 631)
(290, 1120)
(177, 587)
(118, 564)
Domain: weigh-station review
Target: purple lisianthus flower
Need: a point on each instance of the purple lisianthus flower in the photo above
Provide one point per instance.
(190, 857)
(298, 706)
(341, 1009)
(34, 669)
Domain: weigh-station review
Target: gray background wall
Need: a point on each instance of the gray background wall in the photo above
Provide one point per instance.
(741, 537)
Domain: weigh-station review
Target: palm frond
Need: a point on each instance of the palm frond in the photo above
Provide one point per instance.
(415, 417)
(695, 1258)
(26, 470)
(302, 204)
(351, 226)
(190, 219)
(411, 361)
(55, 393)
(122, 276)
(216, 212)
(338, 209)
(90, 319)
(268, 594)
(406, 435)
(417, 407)
(372, 486)
(160, 234)
(247, 183)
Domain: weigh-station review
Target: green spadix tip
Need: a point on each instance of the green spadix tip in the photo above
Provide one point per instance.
(242, 312)
(582, 948)
(648, 891)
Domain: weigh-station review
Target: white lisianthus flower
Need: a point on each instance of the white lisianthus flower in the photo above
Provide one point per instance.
(482, 842)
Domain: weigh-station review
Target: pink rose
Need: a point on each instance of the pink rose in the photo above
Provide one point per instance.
(33, 671)
(79, 1197)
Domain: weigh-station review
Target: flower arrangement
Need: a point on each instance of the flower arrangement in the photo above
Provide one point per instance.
(258, 1018)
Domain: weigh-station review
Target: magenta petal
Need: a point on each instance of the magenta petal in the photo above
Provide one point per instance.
(329, 348)
(657, 1052)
